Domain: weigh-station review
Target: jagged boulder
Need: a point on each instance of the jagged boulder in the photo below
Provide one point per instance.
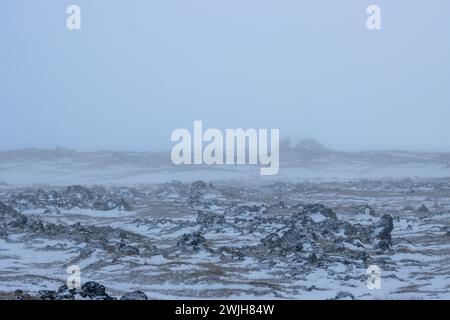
(423, 209)
(94, 290)
(3, 233)
(191, 241)
(135, 295)
(344, 295)
(381, 232)
(203, 194)
(128, 250)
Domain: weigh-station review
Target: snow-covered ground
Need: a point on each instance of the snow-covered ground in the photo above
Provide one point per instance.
(243, 236)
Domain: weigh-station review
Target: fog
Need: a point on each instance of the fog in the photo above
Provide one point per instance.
(139, 69)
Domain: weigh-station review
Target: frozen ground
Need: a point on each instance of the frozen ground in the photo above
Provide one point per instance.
(238, 237)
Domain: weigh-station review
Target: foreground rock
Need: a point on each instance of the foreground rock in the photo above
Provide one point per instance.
(89, 291)
(135, 295)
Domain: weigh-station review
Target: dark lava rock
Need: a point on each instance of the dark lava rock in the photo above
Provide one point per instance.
(423, 209)
(193, 241)
(3, 233)
(291, 241)
(306, 239)
(112, 240)
(93, 290)
(63, 293)
(198, 188)
(116, 242)
(128, 250)
(209, 218)
(11, 219)
(383, 245)
(6, 210)
(203, 194)
(312, 258)
(383, 228)
(20, 295)
(89, 290)
(53, 200)
(48, 295)
(344, 295)
(135, 295)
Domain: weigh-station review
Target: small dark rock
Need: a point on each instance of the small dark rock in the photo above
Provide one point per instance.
(128, 250)
(423, 209)
(383, 245)
(344, 295)
(191, 240)
(383, 228)
(135, 295)
(47, 295)
(312, 259)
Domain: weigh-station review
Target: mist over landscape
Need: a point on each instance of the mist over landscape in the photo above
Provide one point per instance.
(134, 73)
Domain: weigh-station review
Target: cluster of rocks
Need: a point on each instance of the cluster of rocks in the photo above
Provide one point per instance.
(172, 190)
(89, 291)
(192, 242)
(311, 233)
(317, 235)
(202, 193)
(97, 198)
(116, 242)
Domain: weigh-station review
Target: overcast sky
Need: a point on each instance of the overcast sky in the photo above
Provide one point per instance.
(139, 69)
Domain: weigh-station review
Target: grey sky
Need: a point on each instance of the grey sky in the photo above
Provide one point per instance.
(139, 69)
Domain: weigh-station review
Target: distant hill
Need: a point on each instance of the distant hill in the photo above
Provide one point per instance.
(307, 159)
